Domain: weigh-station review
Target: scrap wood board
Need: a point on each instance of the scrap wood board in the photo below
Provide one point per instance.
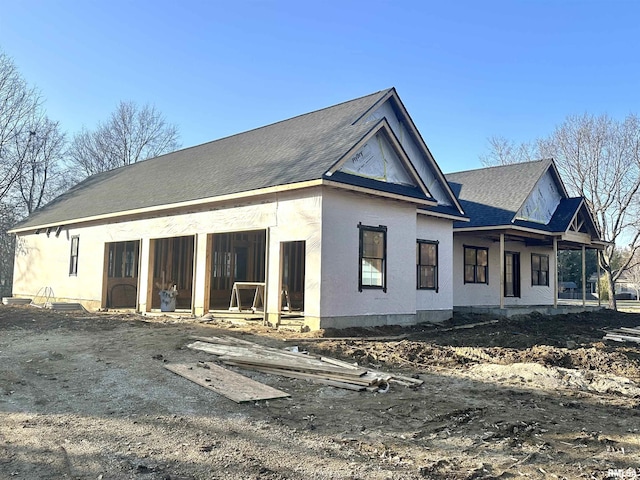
(624, 334)
(230, 384)
(334, 372)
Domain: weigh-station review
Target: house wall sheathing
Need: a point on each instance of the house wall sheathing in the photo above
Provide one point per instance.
(342, 304)
(488, 294)
(326, 219)
(286, 217)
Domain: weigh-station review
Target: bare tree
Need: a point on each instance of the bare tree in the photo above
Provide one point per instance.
(504, 152)
(7, 245)
(40, 153)
(18, 103)
(132, 134)
(599, 159)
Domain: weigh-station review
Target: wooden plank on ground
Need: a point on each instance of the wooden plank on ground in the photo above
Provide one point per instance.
(312, 378)
(351, 339)
(635, 330)
(246, 351)
(621, 338)
(230, 384)
(292, 365)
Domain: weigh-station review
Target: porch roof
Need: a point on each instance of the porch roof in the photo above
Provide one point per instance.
(491, 198)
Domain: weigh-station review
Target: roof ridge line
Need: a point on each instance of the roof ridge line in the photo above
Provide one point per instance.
(500, 166)
(268, 125)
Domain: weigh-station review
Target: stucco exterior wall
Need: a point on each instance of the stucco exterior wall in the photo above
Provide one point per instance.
(341, 302)
(43, 261)
(479, 294)
(437, 305)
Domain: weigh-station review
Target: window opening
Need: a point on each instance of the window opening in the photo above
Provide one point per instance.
(373, 257)
(427, 265)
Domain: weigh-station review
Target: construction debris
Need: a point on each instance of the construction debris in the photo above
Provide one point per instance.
(15, 301)
(230, 384)
(293, 364)
(624, 334)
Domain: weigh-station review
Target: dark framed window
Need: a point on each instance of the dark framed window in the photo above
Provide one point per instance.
(476, 265)
(427, 265)
(539, 269)
(73, 258)
(373, 257)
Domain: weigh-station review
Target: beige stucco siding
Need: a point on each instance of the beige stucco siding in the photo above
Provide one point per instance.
(342, 212)
(470, 294)
(43, 261)
(298, 218)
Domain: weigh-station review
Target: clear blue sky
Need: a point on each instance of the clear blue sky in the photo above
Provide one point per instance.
(465, 70)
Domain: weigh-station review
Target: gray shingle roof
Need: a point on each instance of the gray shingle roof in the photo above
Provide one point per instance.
(299, 149)
(492, 196)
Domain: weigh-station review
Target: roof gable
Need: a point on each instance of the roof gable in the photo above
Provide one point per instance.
(529, 195)
(543, 199)
(505, 187)
(377, 160)
(391, 108)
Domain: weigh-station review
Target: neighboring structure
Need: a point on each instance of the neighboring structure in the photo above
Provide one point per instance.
(627, 287)
(520, 215)
(340, 215)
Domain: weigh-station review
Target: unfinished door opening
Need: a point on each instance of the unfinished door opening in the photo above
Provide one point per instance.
(292, 276)
(172, 266)
(237, 259)
(121, 282)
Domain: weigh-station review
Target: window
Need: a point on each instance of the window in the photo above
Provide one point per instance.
(123, 259)
(373, 257)
(539, 269)
(476, 265)
(73, 262)
(427, 261)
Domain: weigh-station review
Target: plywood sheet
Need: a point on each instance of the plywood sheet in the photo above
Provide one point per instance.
(230, 384)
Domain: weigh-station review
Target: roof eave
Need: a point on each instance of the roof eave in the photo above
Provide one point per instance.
(171, 207)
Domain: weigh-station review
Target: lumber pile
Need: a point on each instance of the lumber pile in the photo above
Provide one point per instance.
(624, 334)
(290, 363)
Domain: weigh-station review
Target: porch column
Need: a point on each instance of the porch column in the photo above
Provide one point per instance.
(502, 270)
(555, 272)
(584, 277)
(200, 276)
(145, 279)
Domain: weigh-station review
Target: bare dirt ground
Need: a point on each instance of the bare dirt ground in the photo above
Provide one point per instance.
(85, 396)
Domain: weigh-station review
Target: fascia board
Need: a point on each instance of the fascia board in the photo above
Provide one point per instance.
(422, 144)
(174, 206)
(378, 193)
(430, 213)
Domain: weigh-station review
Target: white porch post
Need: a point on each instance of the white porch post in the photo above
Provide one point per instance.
(200, 283)
(555, 273)
(502, 270)
(584, 277)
